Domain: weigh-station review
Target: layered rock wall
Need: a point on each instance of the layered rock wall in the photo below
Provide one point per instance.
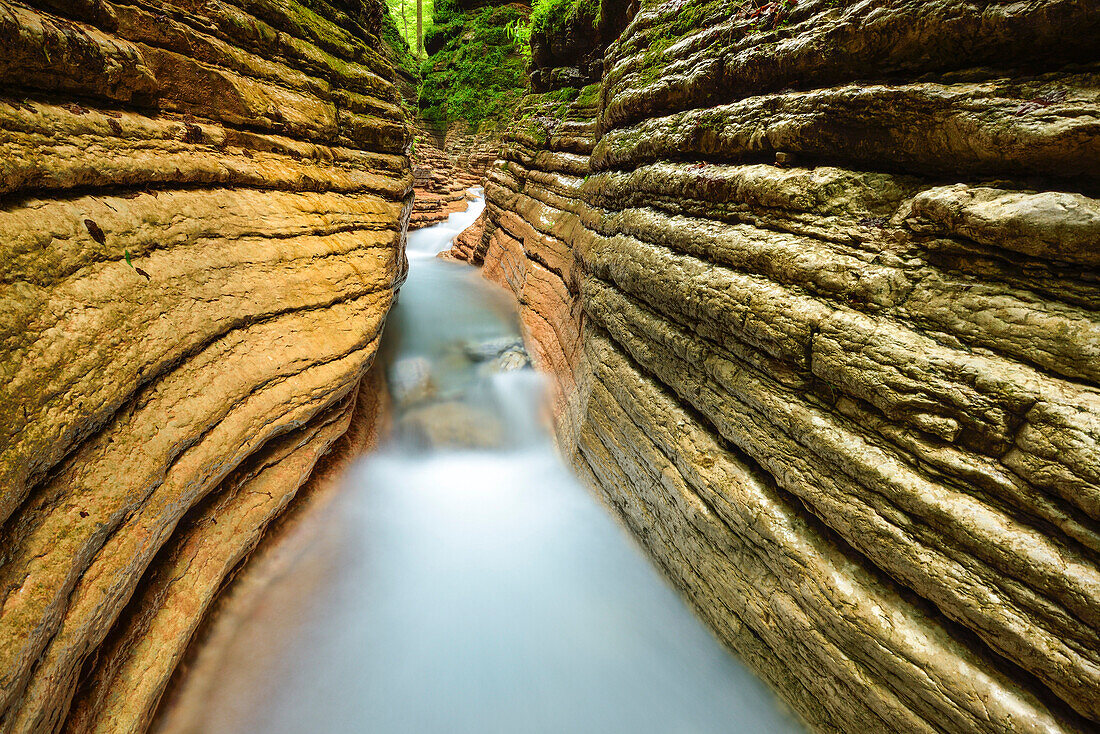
(441, 179)
(201, 210)
(474, 152)
(819, 285)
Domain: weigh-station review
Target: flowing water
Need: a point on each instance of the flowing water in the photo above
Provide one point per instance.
(477, 587)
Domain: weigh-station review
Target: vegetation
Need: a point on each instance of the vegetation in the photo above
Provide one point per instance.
(477, 58)
(398, 48)
(519, 31)
(554, 16)
(478, 68)
(404, 13)
(589, 96)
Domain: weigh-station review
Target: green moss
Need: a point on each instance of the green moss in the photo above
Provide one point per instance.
(652, 61)
(480, 72)
(687, 19)
(589, 96)
(698, 15)
(554, 16)
(565, 94)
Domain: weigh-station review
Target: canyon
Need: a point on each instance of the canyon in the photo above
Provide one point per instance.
(816, 285)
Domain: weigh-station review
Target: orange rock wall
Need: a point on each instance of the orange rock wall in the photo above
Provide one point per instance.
(202, 208)
(818, 285)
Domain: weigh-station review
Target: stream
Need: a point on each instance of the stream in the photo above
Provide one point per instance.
(470, 583)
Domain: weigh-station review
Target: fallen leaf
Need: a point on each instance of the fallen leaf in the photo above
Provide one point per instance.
(95, 231)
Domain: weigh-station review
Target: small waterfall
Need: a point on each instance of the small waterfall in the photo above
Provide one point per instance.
(430, 241)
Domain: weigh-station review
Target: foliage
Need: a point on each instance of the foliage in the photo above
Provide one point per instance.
(479, 72)
(519, 30)
(399, 51)
(554, 16)
(403, 13)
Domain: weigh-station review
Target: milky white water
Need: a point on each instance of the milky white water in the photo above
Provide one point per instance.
(484, 590)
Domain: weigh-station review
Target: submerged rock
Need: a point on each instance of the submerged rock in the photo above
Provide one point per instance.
(410, 381)
(498, 355)
(451, 425)
(512, 359)
(493, 348)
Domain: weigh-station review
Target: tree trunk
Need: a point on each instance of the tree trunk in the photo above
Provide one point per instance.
(419, 28)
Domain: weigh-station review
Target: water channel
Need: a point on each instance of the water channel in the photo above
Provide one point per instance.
(476, 586)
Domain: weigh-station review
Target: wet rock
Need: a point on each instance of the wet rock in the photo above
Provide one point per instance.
(201, 219)
(493, 348)
(513, 359)
(466, 243)
(443, 179)
(410, 381)
(498, 355)
(850, 402)
(451, 425)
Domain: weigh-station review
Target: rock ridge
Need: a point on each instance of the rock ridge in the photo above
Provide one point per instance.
(202, 208)
(817, 284)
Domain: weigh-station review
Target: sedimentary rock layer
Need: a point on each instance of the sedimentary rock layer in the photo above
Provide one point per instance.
(819, 285)
(441, 179)
(201, 216)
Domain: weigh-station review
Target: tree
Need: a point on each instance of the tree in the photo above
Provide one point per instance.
(419, 28)
(411, 29)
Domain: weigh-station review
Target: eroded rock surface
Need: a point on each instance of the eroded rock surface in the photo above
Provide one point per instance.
(201, 210)
(819, 286)
(442, 179)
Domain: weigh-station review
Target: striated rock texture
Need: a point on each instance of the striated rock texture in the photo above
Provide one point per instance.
(819, 284)
(204, 689)
(441, 179)
(474, 152)
(437, 188)
(201, 210)
(568, 38)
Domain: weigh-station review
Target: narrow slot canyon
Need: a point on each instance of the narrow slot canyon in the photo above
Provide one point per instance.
(550, 366)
